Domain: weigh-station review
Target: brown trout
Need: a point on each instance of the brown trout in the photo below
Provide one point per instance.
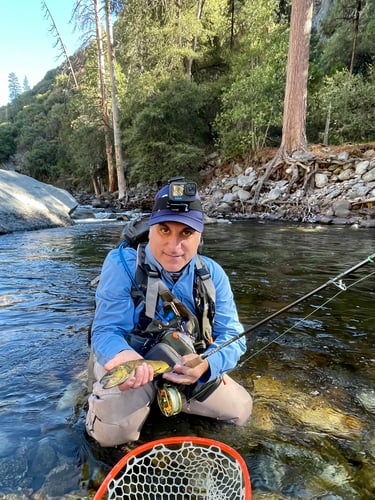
(122, 372)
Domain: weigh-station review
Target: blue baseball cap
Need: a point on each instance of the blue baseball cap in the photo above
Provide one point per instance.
(162, 212)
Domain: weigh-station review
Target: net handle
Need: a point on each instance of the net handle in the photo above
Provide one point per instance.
(176, 440)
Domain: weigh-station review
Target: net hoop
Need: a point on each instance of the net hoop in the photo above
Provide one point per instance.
(160, 446)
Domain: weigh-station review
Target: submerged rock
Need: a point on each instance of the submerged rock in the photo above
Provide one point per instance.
(367, 400)
(313, 412)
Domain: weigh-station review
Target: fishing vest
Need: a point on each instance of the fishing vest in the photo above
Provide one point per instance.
(179, 331)
(149, 289)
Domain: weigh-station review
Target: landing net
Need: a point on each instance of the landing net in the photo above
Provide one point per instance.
(178, 468)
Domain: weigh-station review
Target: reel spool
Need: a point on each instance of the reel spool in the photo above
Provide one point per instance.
(169, 400)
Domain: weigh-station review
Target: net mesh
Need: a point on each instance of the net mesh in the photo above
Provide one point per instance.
(179, 471)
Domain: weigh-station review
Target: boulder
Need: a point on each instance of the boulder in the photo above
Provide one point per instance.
(341, 208)
(369, 176)
(321, 180)
(27, 204)
(362, 167)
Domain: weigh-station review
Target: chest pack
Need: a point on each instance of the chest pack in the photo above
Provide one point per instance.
(148, 289)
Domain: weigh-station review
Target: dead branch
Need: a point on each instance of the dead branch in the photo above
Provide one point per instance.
(60, 42)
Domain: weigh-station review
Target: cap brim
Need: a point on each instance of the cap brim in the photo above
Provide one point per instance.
(191, 219)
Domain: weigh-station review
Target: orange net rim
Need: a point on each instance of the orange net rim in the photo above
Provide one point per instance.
(176, 440)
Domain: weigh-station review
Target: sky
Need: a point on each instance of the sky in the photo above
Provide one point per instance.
(27, 46)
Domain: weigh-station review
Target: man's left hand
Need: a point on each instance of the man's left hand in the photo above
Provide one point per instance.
(184, 374)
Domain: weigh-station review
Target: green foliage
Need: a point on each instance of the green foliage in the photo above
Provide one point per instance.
(85, 150)
(352, 102)
(7, 142)
(13, 86)
(338, 30)
(188, 81)
(37, 125)
(81, 133)
(39, 159)
(168, 136)
(26, 86)
(158, 40)
(83, 142)
(254, 101)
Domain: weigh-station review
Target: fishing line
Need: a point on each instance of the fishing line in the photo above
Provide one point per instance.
(337, 281)
(342, 288)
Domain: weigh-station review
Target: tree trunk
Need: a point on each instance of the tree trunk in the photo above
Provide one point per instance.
(194, 44)
(357, 13)
(104, 101)
(96, 184)
(178, 4)
(232, 9)
(328, 123)
(122, 187)
(61, 43)
(295, 102)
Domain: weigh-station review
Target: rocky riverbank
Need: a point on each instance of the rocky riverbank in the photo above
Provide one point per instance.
(316, 187)
(325, 185)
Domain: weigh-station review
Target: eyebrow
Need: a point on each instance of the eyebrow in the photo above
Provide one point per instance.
(167, 224)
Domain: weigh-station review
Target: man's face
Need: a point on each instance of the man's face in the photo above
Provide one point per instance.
(173, 244)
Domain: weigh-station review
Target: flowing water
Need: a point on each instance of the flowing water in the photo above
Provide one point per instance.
(311, 370)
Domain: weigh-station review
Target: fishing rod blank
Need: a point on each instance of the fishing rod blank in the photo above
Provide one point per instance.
(336, 281)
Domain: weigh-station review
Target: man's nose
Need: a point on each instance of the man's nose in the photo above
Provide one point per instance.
(174, 240)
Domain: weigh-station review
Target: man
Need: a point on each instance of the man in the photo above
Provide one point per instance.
(121, 334)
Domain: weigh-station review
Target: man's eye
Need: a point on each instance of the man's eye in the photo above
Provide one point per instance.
(187, 233)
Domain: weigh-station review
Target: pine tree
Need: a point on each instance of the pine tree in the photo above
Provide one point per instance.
(295, 102)
(14, 86)
(26, 85)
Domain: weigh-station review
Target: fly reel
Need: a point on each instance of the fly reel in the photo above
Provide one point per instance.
(169, 400)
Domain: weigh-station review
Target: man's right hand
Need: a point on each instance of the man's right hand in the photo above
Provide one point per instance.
(143, 374)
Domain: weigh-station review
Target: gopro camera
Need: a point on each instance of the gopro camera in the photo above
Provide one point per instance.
(181, 191)
(181, 196)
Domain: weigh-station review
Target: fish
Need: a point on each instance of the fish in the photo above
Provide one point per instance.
(121, 373)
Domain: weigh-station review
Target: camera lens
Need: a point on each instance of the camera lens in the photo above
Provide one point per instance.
(190, 189)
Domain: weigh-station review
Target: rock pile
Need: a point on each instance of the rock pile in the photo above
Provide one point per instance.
(323, 185)
(335, 189)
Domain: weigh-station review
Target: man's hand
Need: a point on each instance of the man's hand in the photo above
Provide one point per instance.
(143, 373)
(185, 374)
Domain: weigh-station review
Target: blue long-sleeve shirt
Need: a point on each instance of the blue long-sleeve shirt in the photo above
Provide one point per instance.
(116, 315)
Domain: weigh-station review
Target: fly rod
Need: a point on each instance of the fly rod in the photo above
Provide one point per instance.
(335, 280)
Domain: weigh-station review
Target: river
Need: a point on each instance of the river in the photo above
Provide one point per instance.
(311, 370)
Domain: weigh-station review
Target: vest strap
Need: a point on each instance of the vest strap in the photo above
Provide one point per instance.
(154, 288)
